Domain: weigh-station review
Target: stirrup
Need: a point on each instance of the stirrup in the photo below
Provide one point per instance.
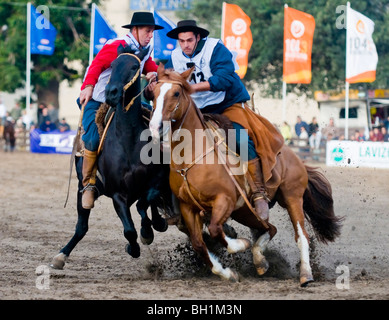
(259, 195)
(91, 187)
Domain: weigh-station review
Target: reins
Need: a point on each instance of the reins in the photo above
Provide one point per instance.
(131, 82)
(184, 171)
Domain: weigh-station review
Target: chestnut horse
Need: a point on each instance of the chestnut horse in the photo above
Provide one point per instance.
(208, 193)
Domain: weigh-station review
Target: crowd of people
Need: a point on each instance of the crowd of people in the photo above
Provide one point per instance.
(312, 137)
(16, 121)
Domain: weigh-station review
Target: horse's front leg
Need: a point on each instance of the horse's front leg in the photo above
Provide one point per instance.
(146, 231)
(221, 211)
(59, 260)
(122, 210)
(194, 224)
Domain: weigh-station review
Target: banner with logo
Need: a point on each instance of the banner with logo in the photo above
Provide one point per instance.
(163, 45)
(357, 154)
(236, 35)
(102, 31)
(43, 33)
(299, 28)
(361, 53)
(52, 142)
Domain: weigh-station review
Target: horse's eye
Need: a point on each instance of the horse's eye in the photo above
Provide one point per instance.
(176, 94)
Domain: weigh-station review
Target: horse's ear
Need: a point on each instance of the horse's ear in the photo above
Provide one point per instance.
(161, 70)
(187, 74)
(121, 49)
(143, 53)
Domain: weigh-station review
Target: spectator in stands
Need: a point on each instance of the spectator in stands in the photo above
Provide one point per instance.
(358, 136)
(47, 124)
(63, 125)
(53, 114)
(377, 135)
(39, 115)
(385, 134)
(3, 116)
(386, 124)
(314, 134)
(16, 112)
(286, 132)
(330, 128)
(300, 123)
(26, 119)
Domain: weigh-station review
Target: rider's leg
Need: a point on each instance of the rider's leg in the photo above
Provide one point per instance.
(89, 166)
(255, 170)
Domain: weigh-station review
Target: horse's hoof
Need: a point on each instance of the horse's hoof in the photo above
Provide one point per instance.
(160, 225)
(262, 267)
(133, 251)
(58, 261)
(234, 276)
(146, 238)
(304, 281)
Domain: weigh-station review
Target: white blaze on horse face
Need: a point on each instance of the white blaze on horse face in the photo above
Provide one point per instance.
(156, 120)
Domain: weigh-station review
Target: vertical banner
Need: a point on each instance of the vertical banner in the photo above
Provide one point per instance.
(361, 53)
(43, 33)
(163, 45)
(236, 35)
(102, 31)
(299, 28)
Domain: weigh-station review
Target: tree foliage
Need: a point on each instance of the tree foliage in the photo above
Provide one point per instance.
(328, 53)
(71, 18)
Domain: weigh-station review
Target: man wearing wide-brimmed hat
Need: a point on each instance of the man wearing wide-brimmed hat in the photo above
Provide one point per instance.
(217, 88)
(92, 93)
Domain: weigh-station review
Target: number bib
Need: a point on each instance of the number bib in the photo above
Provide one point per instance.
(201, 73)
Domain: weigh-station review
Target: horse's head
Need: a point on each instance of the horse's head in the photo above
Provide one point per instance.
(171, 98)
(125, 72)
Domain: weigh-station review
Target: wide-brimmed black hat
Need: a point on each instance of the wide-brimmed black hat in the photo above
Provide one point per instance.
(185, 26)
(142, 19)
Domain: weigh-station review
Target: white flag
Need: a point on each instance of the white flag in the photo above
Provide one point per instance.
(361, 53)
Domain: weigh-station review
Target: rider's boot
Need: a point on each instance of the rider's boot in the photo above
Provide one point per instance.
(259, 196)
(89, 179)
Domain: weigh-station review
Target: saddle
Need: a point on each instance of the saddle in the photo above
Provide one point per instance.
(103, 119)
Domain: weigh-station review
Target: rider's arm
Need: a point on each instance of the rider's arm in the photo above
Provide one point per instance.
(150, 66)
(101, 62)
(222, 68)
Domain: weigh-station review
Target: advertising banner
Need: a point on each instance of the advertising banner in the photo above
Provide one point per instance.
(52, 142)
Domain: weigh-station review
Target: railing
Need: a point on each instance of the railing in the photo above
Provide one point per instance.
(302, 149)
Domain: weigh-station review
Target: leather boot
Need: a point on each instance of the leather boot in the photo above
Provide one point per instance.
(89, 179)
(258, 190)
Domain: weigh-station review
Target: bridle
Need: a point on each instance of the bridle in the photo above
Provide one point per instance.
(131, 82)
(214, 148)
(178, 104)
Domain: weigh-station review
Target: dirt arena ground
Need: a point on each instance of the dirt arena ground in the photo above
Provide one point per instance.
(35, 226)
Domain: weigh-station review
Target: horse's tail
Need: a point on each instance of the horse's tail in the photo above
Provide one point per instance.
(319, 206)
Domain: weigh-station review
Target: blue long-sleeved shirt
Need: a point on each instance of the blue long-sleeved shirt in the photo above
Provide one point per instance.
(224, 78)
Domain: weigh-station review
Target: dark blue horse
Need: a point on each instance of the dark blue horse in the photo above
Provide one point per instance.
(122, 175)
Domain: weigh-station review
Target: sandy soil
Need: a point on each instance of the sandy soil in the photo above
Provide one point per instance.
(35, 226)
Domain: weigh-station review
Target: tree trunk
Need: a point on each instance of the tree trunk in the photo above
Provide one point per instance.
(50, 94)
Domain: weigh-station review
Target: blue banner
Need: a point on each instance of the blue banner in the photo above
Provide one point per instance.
(163, 45)
(43, 32)
(52, 142)
(102, 31)
(168, 5)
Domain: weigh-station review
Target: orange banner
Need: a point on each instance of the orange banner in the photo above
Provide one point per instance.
(299, 28)
(236, 35)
